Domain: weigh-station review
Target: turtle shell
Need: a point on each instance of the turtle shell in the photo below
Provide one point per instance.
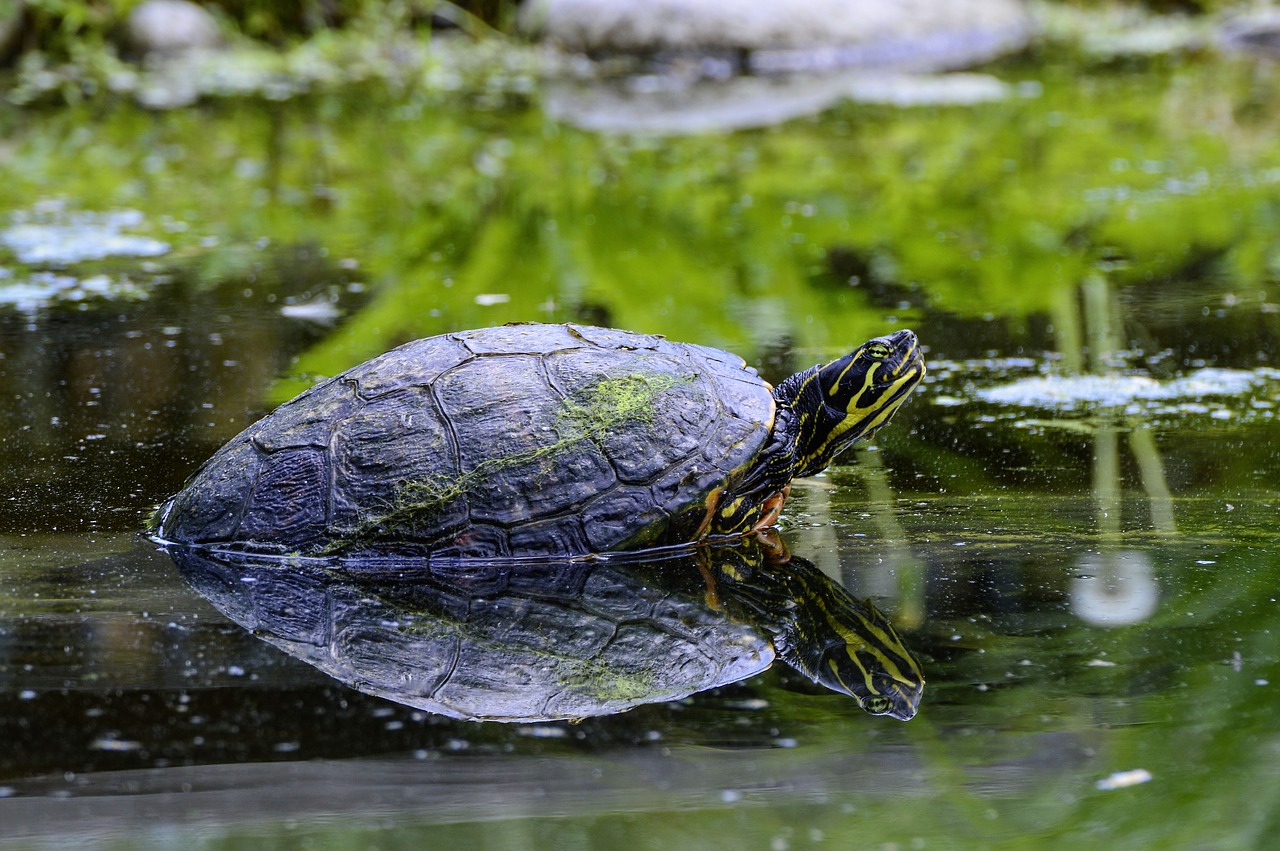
(518, 440)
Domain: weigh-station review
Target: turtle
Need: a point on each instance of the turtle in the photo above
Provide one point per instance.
(534, 440)
(562, 638)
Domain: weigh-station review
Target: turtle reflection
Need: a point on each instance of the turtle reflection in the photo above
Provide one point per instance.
(543, 640)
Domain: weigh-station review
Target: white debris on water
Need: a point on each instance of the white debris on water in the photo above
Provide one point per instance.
(1124, 391)
(1122, 779)
(320, 310)
(32, 293)
(114, 745)
(928, 89)
(51, 235)
(543, 731)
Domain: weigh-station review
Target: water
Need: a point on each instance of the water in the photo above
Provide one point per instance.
(1072, 524)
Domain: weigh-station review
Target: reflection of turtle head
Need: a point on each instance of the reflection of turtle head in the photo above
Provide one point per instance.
(832, 637)
(869, 664)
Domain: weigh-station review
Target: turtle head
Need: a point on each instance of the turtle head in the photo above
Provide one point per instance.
(851, 398)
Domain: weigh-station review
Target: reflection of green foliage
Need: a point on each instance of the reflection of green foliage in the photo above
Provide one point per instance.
(998, 209)
(66, 28)
(60, 27)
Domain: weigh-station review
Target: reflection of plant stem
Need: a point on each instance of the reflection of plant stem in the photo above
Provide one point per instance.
(1100, 318)
(472, 25)
(1150, 465)
(1106, 480)
(1066, 330)
(820, 536)
(1103, 319)
(903, 566)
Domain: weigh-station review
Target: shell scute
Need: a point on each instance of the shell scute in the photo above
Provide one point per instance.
(683, 492)
(289, 502)
(395, 458)
(549, 537)
(208, 510)
(518, 339)
(519, 453)
(612, 338)
(728, 362)
(624, 514)
(306, 421)
(645, 411)
(479, 540)
(415, 364)
(747, 399)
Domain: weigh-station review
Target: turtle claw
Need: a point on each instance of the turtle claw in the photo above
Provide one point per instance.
(775, 549)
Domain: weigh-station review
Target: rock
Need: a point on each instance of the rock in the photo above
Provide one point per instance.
(788, 35)
(1256, 31)
(633, 107)
(717, 65)
(171, 28)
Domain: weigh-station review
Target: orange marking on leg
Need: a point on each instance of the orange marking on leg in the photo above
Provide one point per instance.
(712, 594)
(713, 502)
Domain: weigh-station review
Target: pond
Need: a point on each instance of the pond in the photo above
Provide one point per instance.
(1071, 525)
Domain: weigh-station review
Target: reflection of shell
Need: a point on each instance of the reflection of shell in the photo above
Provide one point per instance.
(1114, 588)
(1256, 31)
(526, 640)
(537, 642)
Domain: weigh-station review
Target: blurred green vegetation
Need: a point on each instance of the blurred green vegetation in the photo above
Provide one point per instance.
(816, 233)
(71, 30)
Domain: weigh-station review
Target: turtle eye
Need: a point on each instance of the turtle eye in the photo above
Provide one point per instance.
(878, 351)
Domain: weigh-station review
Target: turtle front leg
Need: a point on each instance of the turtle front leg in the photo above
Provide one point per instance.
(771, 509)
(741, 515)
